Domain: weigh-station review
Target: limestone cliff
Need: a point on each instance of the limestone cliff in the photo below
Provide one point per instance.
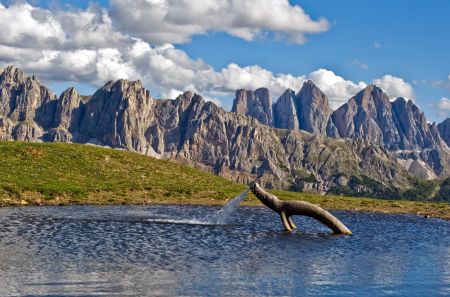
(444, 130)
(122, 114)
(26, 107)
(257, 104)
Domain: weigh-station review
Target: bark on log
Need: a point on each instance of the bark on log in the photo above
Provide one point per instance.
(286, 209)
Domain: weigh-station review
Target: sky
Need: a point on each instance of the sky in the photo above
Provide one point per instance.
(215, 47)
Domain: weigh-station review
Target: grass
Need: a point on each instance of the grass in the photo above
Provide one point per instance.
(61, 173)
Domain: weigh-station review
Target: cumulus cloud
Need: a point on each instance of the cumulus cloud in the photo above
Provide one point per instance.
(85, 46)
(337, 89)
(36, 28)
(443, 106)
(395, 87)
(176, 21)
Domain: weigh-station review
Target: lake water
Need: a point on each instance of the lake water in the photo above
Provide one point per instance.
(173, 251)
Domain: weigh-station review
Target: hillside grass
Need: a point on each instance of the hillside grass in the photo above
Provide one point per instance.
(61, 173)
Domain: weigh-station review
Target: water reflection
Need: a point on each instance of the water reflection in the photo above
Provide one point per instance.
(169, 251)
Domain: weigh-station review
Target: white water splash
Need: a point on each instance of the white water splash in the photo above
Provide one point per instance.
(219, 218)
(181, 222)
(222, 215)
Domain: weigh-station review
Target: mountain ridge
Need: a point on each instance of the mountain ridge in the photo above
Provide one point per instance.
(124, 115)
(398, 125)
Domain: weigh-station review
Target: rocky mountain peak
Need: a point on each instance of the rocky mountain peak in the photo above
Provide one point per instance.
(68, 113)
(444, 131)
(13, 74)
(285, 111)
(189, 99)
(310, 85)
(117, 114)
(70, 92)
(188, 95)
(122, 114)
(371, 99)
(309, 110)
(313, 109)
(26, 104)
(367, 115)
(257, 104)
(412, 126)
(401, 100)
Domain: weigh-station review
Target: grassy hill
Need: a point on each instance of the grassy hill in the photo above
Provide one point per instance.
(61, 173)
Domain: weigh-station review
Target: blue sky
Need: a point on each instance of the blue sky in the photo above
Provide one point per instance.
(409, 39)
(365, 40)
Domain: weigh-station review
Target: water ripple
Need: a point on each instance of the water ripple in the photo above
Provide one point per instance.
(180, 251)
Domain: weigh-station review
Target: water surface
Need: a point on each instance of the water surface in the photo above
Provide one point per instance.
(175, 251)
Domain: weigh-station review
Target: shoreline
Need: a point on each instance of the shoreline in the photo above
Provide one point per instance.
(72, 174)
(423, 209)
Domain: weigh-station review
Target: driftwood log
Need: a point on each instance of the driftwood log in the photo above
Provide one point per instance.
(286, 209)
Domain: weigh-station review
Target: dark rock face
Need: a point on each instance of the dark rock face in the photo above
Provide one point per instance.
(412, 126)
(117, 115)
(122, 114)
(257, 104)
(314, 109)
(444, 131)
(368, 115)
(26, 107)
(399, 125)
(240, 148)
(285, 111)
(309, 110)
(68, 114)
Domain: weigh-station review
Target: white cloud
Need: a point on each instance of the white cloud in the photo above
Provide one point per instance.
(176, 21)
(75, 54)
(25, 26)
(85, 46)
(443, 106)
(337, 89)
(252, 77)
(376, 45)
(395, 87)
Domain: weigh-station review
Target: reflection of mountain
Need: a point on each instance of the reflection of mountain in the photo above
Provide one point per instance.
(122, 114)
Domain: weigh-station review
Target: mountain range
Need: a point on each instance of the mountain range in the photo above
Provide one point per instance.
(398, 126)
(368, 145)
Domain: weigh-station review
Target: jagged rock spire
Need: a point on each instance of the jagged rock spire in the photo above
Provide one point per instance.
(257, 104)
(444, 131)
(285, 111)
(309, 110)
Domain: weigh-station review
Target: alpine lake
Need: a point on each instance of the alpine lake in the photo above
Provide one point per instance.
(161, 250)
